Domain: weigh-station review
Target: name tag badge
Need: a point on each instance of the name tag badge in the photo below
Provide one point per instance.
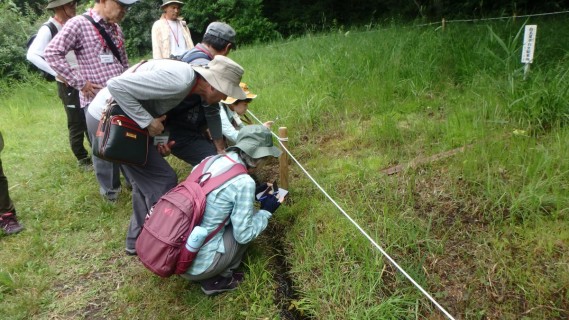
(161, 139)
(106, 58)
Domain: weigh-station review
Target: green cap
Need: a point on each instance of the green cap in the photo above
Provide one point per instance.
(256, 141)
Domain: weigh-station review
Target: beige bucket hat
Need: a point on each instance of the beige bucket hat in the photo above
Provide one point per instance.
(224, 75)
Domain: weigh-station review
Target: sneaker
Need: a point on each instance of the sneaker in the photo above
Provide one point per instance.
(111, 199)
(10, 224)
(218, 284)
(130, 252)
(238, 276)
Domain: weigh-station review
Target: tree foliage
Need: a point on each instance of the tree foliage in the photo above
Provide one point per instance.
(137, 27)
(14, 31)
(245, 16)
(298, 16)
(257, 20)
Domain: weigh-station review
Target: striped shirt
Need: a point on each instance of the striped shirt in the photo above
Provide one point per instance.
(236, 198)
(79, 35)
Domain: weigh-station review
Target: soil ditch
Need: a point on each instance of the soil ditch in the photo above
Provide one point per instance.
(285, 293)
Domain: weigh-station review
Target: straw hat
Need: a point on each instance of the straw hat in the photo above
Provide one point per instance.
(243, 85)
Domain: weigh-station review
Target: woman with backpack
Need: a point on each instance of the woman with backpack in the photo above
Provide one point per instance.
(215, 264)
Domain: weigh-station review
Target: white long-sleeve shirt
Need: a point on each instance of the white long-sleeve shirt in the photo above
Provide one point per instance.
(36, 50)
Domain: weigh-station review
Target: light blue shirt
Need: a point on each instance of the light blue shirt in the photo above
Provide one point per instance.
(236, 198)
(227, 128)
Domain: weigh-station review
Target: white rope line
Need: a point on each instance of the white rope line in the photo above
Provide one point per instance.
(418, 25)
(495, 18)
(360, 228)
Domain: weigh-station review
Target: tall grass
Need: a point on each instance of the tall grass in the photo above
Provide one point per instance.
(484, 230)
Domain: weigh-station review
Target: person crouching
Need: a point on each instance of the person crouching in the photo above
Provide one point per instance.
(215, 264)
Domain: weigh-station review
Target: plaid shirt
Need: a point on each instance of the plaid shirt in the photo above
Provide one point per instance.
(236, 198)
(79, 35)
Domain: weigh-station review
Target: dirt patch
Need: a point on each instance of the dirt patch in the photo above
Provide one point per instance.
(469, 283)
(285, 293)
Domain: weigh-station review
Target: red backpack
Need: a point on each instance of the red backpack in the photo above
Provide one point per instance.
(161, 243)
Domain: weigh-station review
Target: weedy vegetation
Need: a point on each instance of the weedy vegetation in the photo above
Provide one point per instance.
(485, 230)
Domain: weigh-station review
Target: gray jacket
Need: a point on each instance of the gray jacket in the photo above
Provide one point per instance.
(156, 87)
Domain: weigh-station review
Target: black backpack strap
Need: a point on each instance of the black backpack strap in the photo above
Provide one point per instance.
(105, 36)
(52, 28)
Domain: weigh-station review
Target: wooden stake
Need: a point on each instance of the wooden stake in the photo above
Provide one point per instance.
(443, 24)
(283, 159)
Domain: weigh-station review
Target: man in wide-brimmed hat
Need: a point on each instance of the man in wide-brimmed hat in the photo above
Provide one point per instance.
(63, 10)
(216, 262)
(170, 34)
(145, 93)
(98, 61)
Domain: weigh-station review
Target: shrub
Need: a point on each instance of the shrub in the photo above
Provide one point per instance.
(245, 16)
(15, 29)
(137, 27)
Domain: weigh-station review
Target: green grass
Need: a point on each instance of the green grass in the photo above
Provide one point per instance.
(484, 231)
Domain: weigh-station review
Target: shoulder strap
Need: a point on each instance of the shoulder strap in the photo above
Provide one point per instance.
(214, 182)
(211, 182)
(52, 28)
(138, 65)
(214, 232)
(193, 54)
(105, 36)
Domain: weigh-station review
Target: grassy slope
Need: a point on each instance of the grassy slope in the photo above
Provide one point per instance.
(484, 231)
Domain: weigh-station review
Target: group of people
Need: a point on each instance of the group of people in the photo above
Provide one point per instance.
(193, 94)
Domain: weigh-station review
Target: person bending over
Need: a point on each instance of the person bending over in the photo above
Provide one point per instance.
(146, 92)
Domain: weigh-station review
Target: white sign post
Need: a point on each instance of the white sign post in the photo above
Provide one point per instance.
(530, 34)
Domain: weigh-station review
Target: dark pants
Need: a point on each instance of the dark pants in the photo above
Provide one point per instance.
(191, 146)
(75, 120)
(6, 204)
(186, 124)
